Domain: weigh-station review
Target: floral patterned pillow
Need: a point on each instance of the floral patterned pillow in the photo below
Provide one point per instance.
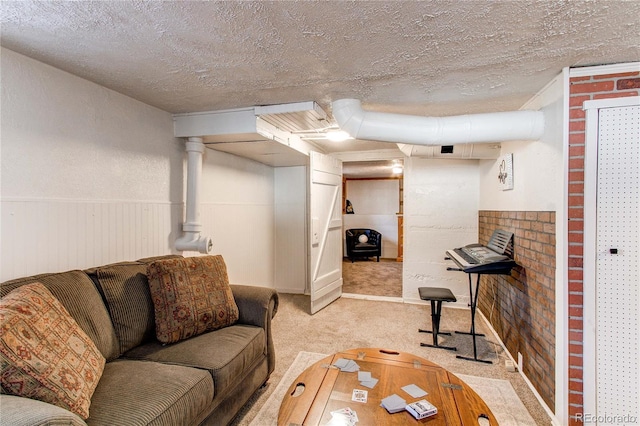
(190, 296)
(44, 354)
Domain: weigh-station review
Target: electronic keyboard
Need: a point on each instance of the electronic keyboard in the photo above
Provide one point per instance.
(489, 259)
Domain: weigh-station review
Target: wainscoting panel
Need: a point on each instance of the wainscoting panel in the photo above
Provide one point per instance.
(521, 306)
(41, 236)
(243, 234)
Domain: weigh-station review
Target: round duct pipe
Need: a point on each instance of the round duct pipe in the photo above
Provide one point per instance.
(418, 130)
(192, 240)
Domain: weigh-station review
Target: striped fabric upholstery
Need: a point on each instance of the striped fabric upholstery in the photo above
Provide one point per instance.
(39, 413)
(126, 292)
(177, 389)
(226, 353)
(164, 394)
(79, 296)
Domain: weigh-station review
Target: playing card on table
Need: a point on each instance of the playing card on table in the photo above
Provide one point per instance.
(393, 403)
(347, 365)
(369, 383)
(341, 363)
(364, 375)
(365, 379)
(414, 390)
(343, 417)
(359, 395)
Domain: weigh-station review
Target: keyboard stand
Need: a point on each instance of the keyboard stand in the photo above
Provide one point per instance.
(474, 304)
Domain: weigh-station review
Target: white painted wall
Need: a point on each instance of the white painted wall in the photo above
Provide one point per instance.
(291, 229)
(440, 212)
(375, 203)
(238, 214)
(374, 196)
(538, 166)
(89, 176)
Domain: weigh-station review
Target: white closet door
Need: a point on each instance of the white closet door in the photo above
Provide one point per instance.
(617, 261)
(616, 276)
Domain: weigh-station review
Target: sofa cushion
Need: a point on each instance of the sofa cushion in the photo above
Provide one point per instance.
(45, 355)
(20, 411)
(148, 393)
(78, 294)
(126, 292)
(367, 246)
(190, 296)
(226, 353)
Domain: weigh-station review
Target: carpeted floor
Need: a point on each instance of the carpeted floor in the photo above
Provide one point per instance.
(369, 277)
(354, 323)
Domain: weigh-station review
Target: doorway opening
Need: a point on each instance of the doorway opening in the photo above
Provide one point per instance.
(373, 199)
(370, 278)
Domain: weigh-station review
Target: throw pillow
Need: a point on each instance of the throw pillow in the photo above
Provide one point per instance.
(190, 296)
(44, 354)
(126, 291)
(363, 238)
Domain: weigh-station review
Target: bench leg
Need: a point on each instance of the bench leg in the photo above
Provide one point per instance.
(436, 311)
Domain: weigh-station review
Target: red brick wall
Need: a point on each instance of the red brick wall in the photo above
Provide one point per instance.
(583, 89)
(521, 307)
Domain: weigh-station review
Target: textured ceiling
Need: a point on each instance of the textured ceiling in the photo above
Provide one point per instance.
(424, 58)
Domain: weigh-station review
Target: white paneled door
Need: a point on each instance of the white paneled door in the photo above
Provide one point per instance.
(325, 228)
(612, 262)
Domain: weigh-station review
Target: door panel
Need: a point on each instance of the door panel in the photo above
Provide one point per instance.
(611, 371)
(325, 251)
(617, 296)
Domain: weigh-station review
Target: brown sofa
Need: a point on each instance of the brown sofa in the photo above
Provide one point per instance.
(204, 379)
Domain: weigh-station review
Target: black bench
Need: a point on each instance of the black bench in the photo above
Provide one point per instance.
(436, 295)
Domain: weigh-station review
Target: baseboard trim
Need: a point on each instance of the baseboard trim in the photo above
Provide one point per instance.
(544, 405)
(371, 297)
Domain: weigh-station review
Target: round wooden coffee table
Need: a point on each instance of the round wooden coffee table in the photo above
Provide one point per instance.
(323, 388)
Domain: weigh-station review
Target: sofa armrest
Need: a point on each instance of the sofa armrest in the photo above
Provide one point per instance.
(257, 306)
(18, 411)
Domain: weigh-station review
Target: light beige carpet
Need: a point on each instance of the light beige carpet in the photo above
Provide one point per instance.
(498, 394)
(369, 277)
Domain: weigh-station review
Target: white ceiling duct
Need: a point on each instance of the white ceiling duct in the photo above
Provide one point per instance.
(267, 134)
(418, 130)
(480, 151)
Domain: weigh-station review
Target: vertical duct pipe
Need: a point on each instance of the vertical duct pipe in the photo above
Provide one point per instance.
(418, 130)
(192, 240)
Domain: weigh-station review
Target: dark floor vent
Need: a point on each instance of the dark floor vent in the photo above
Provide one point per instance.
(446, 149)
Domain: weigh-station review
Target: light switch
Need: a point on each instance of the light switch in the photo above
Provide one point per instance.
(315, 231)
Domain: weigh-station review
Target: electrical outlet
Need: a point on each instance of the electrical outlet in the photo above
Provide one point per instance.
(509, 365)
(520, 361)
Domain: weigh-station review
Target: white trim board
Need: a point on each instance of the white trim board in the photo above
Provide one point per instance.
(604, 69)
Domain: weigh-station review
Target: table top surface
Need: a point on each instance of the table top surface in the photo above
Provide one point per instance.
(323, 388)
